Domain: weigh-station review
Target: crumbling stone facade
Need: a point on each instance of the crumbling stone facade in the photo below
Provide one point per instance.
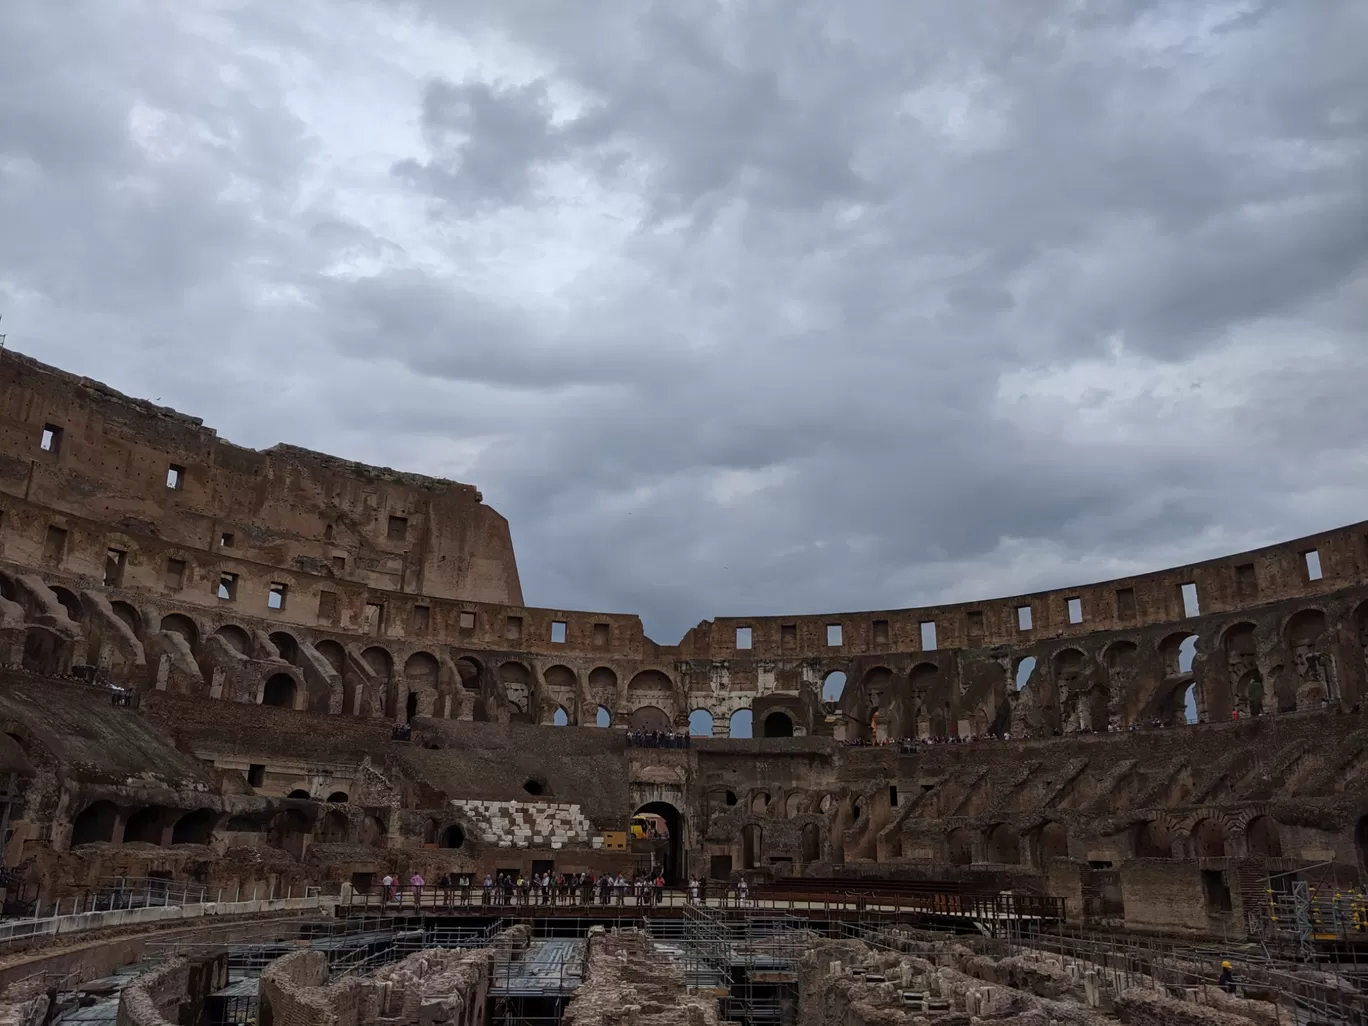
(270, 616)
(626, 981)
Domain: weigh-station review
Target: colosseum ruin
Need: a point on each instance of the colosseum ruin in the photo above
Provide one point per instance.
(243, 689)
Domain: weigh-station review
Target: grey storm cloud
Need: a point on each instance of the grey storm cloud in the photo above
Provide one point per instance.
(773, 307)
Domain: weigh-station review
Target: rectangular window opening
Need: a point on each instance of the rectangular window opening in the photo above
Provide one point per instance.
(114, 567)
(175, 477)
(1246, 581)
(1216, 890)
(339, 565)
(226, 540)
(175, 573)
(788, 637)
(327, 606)
(1075, 610)
(892, 796)
(974, 621)
(513, 629)
(743, 637)
(1125, 603)
(928, 635)
(227, 587)
(558, 632)
(256, 774)
(1313, 564)
(51, 440)
(834, 635)
(54, 544)
(1025, 620)
(422, 618)
(881, 633)
(603, 633)
(275, 599)
(398, 529)
(1191, 607)
(375, 618)
(467, 620)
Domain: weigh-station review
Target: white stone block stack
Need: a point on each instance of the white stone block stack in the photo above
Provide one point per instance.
(527, 824)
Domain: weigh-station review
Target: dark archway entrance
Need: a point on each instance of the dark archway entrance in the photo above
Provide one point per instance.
(778, 724)
(279, 691)
(675, 869)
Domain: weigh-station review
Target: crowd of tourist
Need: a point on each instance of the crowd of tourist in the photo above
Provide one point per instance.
(646, 888)
(657, 739)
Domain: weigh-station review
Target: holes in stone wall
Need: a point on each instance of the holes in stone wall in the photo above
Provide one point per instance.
(1246, 581)
(603, 718)
(513, 628)
(327, 606)
(1125, 603)
(701, 723)
(226, 540)
(115, 560)
(174, 577)
(279, 692)
(740, 724)
(788, 637)
(339, 565)
(833, 686)
(256, 774)
(880, 630)
(602, 635)
(743, 637)
(1075, 607)
(466, 620)
(175, 477)
(1024, 669)
(275, 598)
(373, 620)
(1025, 619)
(558, 628)
(833, 635)
(227, 587)
(398, 529)
(535, 786)
(928, 635)
(560, 718)
(54, 544)
(422, 618)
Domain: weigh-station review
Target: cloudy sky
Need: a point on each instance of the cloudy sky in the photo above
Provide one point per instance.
(730, 306)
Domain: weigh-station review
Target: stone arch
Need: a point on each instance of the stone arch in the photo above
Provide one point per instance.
(341, 797)
(126, 612)
(43, 651)
(603, 717)
(1151, 839)
(380, 662)
(286, 646)
(1172, 654)
(179, 623)
(559, 676)
(759, 802)
(924, 685)
(145, 826)
(195, 827)
(833, 686)
(1306, 635)
(778, 724)
(280, 690)
(1022, 671)
(793, 804)
(650, 717)
(1004, 845)
(94, 824)
(959, 847)
(1208, 839)
(560, 718)
(1262, 837)
(1052, 842)
(373, 832)
(453, 836)
(420, 671)
(701, 723)
(333, 653)
(603, 677)
(68, 601)
(516, 678)
(741, 724)
(333, 827)
(236, 638)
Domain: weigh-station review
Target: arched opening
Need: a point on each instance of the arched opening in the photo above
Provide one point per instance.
(700, 723)
(1177, 652)
(300, 795)
(279, 691)
(561, 718)
(1190, 704)
(145, 826)
(760, 802)
(535, 787)
(179, 623)
(517, 686)
(650, 718)
(69, 602)
(339, 797)
(793, 804)
(333, 828)
(674, 823)
(286, 647)
(1208, 839)
(236, 638)
(373, 832)
(290, 832)
(833, 686)
(42, 651)
(651, 680)
(1152, 841)
(1004, 845)
(453, 837)
(334, 653)
(125, 612)
(603, 718)
(959, 844)
(94, 824)
(778, 724)
(1024, 668)
(752, 844)
(811, 843)
(1053, 843)
(740, 724)
(1262, 839)
(421, 671)
(194, 827)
